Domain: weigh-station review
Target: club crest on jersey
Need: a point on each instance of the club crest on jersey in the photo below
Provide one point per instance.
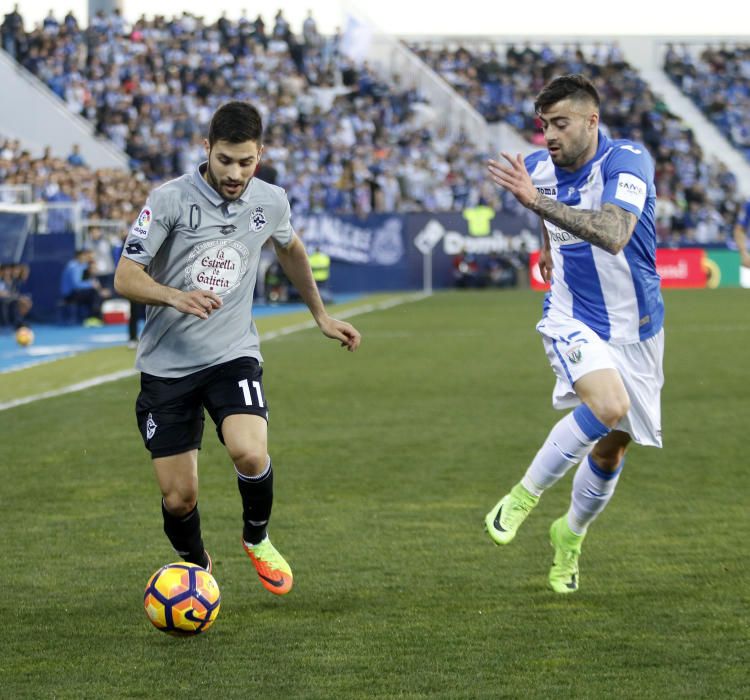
(258, 220)
(142, 224)
(574, 355)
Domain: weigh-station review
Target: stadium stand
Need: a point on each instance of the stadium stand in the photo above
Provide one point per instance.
(717, 79)
(698, 199)
(343, 137)
(339, 139)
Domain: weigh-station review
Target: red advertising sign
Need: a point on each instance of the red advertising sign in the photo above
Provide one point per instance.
(683, 268)
(535, 277)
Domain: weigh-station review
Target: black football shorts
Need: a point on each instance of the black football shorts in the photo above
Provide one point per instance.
(170, 410)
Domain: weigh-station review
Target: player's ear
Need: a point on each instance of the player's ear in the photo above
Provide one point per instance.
(594, 121)
(207, 147)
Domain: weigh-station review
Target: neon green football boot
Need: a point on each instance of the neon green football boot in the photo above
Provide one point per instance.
(503, 521)
(563, 576)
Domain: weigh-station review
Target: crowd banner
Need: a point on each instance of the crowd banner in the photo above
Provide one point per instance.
(375, 240)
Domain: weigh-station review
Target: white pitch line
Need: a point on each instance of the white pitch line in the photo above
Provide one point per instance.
(80, 386)
(114, 376)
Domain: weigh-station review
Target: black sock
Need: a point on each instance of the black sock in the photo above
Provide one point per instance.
(185, 535)
(257, 500)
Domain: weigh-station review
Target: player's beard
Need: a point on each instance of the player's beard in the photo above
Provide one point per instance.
(217, 185)
(570, 156)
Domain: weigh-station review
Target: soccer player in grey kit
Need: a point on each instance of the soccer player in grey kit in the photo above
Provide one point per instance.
(192, 258)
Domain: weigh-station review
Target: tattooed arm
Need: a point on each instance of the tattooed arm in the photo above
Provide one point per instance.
(609, 229)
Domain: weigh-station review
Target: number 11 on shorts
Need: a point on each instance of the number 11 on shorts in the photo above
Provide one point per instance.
(248, 394)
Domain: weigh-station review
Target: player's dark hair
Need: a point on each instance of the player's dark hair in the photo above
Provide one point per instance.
(572, 86)
(236, 122)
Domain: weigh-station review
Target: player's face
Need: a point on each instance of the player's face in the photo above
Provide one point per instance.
(570, 129)
(231, 166)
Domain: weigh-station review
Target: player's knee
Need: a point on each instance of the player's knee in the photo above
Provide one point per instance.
(612, 408)
(252, 461)
(179, 503)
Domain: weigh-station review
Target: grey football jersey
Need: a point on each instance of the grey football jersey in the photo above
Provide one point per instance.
(189, 237)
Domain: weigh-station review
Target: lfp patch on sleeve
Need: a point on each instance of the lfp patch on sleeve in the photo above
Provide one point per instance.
(631, 189)
(142, 224)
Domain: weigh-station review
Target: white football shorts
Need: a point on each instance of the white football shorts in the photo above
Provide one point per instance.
(574, 350)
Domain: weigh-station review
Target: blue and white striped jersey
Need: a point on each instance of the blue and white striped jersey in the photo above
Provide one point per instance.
(744, 218)
(617, 296)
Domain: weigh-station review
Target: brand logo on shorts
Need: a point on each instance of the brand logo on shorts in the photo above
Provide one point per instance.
(575, 355)
(258, 219)
(150, 427)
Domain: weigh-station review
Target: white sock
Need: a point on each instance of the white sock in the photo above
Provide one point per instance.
(567, 444)
(592, 490)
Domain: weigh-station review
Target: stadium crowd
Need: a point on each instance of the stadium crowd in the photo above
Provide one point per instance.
(717, 79)
(338, 138)
(100, 194)
(698, 199)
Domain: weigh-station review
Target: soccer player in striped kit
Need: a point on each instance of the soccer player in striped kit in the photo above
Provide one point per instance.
(603, 317)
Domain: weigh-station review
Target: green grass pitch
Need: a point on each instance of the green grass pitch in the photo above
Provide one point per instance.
(386, 462)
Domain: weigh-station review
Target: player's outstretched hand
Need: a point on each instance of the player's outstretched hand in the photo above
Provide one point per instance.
(342, 331)
(513, 176)
(198, 302)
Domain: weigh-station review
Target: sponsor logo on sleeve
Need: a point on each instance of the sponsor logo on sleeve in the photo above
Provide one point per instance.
(143, 223)
(631, 189)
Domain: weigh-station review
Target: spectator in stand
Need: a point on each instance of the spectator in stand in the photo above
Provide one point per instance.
(12, 31)
(75, 158)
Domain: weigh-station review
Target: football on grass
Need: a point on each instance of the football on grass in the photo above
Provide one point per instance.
(182, 599)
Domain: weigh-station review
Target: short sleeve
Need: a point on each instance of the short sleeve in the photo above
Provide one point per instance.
(152, 227)
(628, 175)
(284, 232)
